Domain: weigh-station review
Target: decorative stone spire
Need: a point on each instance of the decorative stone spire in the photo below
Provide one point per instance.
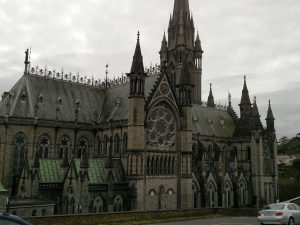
(163, 50)
(181, 6)
(245, 105)
(210, 100)
(181, 33)
(137, 63)
(185, 86)
(137, 74)
(255, 111)
(198, 48)
(245, 100)
(255, 122)
(270, 119)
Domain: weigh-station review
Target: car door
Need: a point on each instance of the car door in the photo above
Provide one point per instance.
(297, 213)
(8, 221)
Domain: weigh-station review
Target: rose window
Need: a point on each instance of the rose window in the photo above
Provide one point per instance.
(161, 128)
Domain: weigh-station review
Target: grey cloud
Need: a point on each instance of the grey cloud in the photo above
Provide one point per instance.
(258, 38)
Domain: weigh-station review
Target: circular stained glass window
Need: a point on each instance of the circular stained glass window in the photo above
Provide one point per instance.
(161, 128)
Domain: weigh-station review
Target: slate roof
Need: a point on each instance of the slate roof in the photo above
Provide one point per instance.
(112, 105)
(211, 121)
(50, 171)
(49, 91)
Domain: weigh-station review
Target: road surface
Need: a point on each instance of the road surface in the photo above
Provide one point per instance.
(217, 221)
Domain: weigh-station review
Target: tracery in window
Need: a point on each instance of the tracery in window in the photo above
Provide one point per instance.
(161, 128)
(43, 146)
(82, 146)
(19, 154)
(64, 145)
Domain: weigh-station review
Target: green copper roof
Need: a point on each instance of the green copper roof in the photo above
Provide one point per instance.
(50, 171)
(98, 173)
(2, 189)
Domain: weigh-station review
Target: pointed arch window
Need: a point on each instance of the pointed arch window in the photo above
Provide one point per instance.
(98, 205)
(43, 146)
(64, 145)
(19, 154)
(98, 147)
(125, 144)
(117, 146)
(118, 204)
(82, 146)
(105, 149)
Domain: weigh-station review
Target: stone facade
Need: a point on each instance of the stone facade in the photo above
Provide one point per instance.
(145, 142)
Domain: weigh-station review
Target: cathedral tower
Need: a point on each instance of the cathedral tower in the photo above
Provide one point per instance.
(181, 46)
(136, 130)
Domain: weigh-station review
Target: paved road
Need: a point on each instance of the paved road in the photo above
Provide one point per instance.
(218, 221)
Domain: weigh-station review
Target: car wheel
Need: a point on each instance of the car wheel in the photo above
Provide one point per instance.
(291, 221)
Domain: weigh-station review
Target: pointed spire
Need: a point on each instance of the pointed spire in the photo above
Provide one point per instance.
(245, 94)
(181, 39)
(137, 63)
(164, 44)
(270, 119)
(36, 162)
(198, 48)
(270, 115)
(84, 162)
(210, 100)
(137, 73)
(255, 111)
(181, 6)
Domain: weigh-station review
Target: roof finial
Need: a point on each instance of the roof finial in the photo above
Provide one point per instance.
(26, 62)
(106, 76)
(138, 36)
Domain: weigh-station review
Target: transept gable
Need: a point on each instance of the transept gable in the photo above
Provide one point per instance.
(211, 179)
(162, 90)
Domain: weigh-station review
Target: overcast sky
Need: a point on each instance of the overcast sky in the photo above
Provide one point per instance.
(259, 38)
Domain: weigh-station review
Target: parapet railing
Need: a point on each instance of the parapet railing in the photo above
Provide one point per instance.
(84, 80)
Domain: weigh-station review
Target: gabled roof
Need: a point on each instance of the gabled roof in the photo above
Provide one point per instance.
(45, 93)
(51, 171)
(209, 121)
(116, 102)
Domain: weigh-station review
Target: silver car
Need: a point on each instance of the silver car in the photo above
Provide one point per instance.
(280, 213)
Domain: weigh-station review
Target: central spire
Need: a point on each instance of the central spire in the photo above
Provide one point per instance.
(181, 6)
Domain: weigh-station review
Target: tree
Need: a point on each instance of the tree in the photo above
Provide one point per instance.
(296, 166)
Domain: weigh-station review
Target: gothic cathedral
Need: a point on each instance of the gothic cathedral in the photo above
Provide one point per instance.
(147, 141)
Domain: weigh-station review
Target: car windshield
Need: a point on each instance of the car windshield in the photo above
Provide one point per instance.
(274, 207)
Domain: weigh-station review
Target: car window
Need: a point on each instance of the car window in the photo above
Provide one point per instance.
(274, 207)
(291, 207)
(297, 207)
(8, 222)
